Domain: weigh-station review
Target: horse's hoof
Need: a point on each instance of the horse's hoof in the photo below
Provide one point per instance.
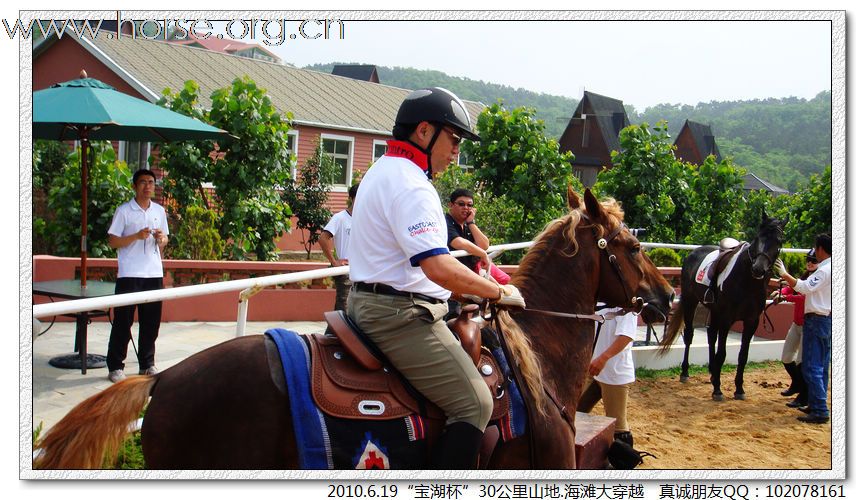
(683, 379)
(717, 397)
(740, 396)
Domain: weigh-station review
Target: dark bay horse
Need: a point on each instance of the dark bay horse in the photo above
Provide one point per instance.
(226, 407)
(743, 297)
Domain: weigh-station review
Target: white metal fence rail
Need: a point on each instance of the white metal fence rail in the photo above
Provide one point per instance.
(251, 286)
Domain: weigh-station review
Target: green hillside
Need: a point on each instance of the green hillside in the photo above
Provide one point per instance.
(783, 140)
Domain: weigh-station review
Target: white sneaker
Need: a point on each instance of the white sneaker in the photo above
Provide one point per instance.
(116, 376)
(149, 371)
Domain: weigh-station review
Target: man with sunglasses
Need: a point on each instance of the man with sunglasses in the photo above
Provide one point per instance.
(403, 273)
(463, 233)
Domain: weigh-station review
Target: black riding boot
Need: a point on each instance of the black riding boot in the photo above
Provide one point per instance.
(795, 379)
(625, 437)
(802, 398)
(458, 447)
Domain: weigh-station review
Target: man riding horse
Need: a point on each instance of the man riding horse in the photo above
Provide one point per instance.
(403, 273)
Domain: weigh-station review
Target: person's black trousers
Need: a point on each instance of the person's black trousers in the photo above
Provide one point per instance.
(149, 318)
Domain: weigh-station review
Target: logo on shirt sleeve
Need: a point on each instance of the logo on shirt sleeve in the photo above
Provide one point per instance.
(423, 227)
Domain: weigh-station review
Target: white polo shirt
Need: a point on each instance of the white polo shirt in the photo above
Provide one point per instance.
(397, 222)
(339, 227)
(817, 289)
(619, 370)
(141, 258)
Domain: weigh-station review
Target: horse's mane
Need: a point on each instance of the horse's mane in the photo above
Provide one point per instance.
(566, 226)
(525, 356)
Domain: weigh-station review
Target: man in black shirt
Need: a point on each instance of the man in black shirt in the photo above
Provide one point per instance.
(463, 233)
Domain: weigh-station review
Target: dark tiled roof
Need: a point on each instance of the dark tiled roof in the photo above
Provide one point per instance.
(704, 138)
(314, 98)
(363, 72)
(610, 114)
(754, 183)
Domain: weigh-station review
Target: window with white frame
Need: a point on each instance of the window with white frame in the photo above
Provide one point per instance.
(135, 154)
(379, 148)
(293, 141)
(341, 149)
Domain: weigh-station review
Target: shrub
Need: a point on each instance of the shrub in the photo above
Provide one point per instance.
(665, 257)
(197, 237)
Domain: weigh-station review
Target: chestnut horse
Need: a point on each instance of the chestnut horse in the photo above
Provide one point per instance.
(743, 297)
(226, 407)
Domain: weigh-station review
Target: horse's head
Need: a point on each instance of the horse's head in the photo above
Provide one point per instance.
(766, 246)
(657, 294)
(628, 278)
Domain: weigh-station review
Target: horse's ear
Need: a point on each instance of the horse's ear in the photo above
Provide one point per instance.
(573, 198)
(592, 206)
(763, 215)
(785, 221)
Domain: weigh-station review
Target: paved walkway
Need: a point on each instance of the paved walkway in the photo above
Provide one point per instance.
(56, 390)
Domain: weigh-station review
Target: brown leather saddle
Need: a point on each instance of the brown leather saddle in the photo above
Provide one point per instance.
(724, 256)
(350, 380)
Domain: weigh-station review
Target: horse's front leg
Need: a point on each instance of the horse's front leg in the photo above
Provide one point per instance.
(714, 366)
(747, 334)
(720, 357)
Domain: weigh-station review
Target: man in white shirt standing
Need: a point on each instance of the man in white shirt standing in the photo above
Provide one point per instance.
(816, 329)
(139, 232)
(612, 367)
(402, 271)
(335, 236)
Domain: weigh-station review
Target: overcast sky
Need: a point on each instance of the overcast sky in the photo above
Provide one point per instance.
(642, 63)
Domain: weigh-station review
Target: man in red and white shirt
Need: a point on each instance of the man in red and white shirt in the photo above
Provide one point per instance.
(403, 272)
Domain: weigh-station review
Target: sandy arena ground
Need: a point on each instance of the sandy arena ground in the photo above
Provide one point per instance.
(685, 429)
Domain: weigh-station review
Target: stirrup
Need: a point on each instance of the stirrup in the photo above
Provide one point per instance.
(709, 297)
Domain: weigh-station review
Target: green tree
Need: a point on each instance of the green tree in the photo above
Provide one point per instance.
(110, 185)
(187, 163)
(716, 201)
(650, 183)
(811, 210)
(256, 166)
(196, 236)
(514, 160)
(308, 196)
(49, 160)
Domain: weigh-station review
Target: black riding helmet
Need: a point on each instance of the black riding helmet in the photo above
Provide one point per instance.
(439, 106)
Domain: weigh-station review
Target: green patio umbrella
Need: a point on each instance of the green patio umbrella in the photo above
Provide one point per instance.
(89, 110)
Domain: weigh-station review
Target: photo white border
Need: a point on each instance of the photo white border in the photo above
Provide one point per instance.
(839, 182)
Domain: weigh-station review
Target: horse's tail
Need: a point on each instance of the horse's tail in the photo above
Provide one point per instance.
(95, 428)
(673, 329)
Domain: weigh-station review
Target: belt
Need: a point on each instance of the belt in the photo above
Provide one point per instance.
(815, 315)
(382, 289)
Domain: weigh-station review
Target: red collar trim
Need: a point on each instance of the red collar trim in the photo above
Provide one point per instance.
(402, 149)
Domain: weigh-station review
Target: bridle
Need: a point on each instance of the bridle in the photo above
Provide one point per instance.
(637, 303)
(753, 258)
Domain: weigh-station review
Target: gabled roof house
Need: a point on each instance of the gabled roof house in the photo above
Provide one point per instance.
(362, 72)
(351, 118)
(695, 143)
(754, 183)
(592, 133)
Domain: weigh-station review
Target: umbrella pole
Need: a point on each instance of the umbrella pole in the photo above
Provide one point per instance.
(85, 150)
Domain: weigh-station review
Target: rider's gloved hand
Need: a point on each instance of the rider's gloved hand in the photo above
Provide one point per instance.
(510, 296)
